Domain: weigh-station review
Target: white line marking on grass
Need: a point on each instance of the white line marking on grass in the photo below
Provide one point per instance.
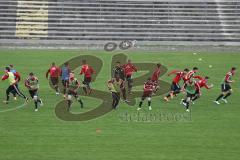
(13, 109)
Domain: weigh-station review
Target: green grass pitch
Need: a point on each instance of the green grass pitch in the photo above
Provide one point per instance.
(212, 133)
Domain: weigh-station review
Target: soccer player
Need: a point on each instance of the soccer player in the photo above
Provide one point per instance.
(189, 87)
(129, 68)
(190, 93)
(148, 89)
(72, 90)
(175, 87)
(155, 77)
(54, 72)
(199, 84)
(14, 72)
(115, 85)
(226, 87)
(189, 78)
(13, 87)
(87, 71)
(32, 85)
(119, 71)
(65, 72)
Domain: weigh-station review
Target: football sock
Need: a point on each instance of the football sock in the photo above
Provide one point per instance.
(227, 95)
(113, 104)
(7, 97)
(219, 97)
(81, 103)
(36, 104)
(194, 98)
(69, 104)
(149, 103)
(56, 89)
(129, 86)
(187, 105)
(117, 101)
(176, 92)
(140, 104)
(184, 101)
(85, 90)
(124, 94)
(168, 95)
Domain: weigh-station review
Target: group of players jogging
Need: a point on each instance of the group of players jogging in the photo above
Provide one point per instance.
(185, 81)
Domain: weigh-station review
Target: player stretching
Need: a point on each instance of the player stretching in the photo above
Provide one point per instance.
(72, 91)
(54, 72)
(199, 84)
(155, 78)
(32, 84)
(13, 87)
(148, 89)
(129, 68)
(115, 85)
(119, 71)
(226, 87)
(175, 87)
(87, 71)
(65, 72)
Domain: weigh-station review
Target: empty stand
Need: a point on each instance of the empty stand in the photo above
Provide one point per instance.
(95, 22)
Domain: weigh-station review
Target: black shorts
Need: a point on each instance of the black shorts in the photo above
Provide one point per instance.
(33, 93)
(175, 87)
(54, 80)
(129, 78)
(225, 87)
(65, 82)
(190, 95)
(122, 78)
(73, 93)
(87, 80)
(115, 95)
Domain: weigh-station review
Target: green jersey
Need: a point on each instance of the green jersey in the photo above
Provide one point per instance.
(191, 89)
(73, 84)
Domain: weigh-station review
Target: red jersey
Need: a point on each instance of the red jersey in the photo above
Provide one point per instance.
(129, 68)
(201, 83)
(87, 71)
(148, 86)
(189, 76)
(54, 72)
(178, 77)
(155, 75)
(228, 77)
